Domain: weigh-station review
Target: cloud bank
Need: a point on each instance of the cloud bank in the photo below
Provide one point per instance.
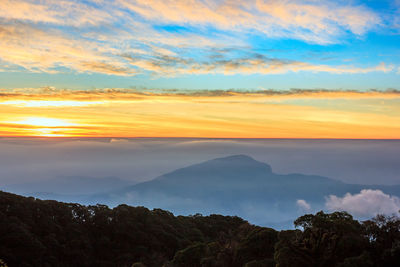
(141, 159)
(367, 203)
(52, 93)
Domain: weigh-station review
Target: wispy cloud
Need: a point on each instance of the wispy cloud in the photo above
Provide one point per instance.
(38, 50)
(59, 12)
(52, 93)
(254, 64)
(312, 21)
(131, 37)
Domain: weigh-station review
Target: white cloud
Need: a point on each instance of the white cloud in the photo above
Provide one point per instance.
(367, 203)
(303, 205)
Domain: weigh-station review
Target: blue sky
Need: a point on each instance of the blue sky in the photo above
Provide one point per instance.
(200, 44)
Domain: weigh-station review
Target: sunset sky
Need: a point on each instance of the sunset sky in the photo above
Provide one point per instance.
(191, 68)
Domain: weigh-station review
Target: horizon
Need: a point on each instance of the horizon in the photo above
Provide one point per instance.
(129, 114)
(44, 137)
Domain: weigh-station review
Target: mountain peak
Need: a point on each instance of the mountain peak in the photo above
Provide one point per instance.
(238, 162)
(239, 157)
(230, 166)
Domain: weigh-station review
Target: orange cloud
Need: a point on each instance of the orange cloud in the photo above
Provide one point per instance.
(62, 12)
(38, 50)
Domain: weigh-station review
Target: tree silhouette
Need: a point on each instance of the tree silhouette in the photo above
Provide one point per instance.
(34, 232)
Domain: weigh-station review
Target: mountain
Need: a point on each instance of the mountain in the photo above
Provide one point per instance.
(235, 185)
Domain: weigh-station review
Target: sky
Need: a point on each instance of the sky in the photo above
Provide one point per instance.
(192, 68)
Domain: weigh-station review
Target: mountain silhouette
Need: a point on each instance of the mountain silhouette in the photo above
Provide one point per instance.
(234, 177)
(208, 177)
(235, 185)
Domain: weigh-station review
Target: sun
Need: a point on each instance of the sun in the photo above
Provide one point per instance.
(47, 122)
(44, 126)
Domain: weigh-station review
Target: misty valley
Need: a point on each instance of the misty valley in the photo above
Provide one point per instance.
(234, 185)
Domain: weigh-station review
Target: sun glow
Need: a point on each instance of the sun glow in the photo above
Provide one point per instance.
(43, 126)
(47, 122)
(241, 115)
(49, 132)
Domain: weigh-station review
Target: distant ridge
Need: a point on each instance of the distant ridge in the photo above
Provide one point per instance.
(233, 185)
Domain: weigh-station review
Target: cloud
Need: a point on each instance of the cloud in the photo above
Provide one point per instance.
(51, 96)
(59, 12)
(312, 21)
(255, 64)
(303, 205)
(367, 203)
(40, 51)
(107, 68)
(131, 37)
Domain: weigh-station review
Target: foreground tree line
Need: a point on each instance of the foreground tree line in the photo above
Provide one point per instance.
(35, 232)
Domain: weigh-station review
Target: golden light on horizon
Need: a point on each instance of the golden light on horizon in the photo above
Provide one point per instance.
(49, 132)
(122, 114)
(45, 126)
(49, 103)
(50, 122)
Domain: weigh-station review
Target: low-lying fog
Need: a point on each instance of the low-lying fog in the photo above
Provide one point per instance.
(136, 160)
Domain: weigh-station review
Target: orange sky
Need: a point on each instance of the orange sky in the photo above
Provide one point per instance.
(126, 113)
(182, 46)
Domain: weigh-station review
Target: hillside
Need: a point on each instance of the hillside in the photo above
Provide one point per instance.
(34, 232)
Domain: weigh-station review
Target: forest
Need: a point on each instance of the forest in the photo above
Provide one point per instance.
(36, 232)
